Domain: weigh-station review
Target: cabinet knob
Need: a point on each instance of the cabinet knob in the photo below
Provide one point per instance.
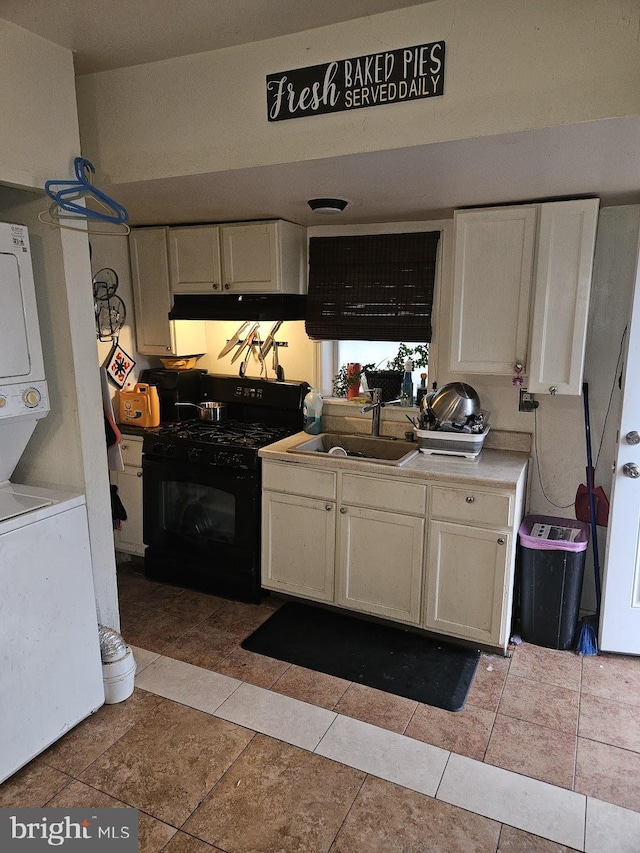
(469, 499)
(327, 507)
(215, 286)
(343, 509)
(632, 437)
(124, 447)
(138, 473)
(227, 286)
(500, 540)
(168, 349)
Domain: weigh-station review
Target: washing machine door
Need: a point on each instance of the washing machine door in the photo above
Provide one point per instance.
(14, 343)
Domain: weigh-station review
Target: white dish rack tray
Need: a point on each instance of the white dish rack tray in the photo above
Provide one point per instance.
(466, 445)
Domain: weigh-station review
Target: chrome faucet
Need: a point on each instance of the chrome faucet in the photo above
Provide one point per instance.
(375, 405)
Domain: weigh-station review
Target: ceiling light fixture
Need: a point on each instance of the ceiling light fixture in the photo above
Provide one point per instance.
(327, 205)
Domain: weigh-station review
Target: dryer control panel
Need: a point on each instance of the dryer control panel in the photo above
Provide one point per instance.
(24, 400)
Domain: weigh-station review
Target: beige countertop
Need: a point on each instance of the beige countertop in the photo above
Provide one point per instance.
(493, 468)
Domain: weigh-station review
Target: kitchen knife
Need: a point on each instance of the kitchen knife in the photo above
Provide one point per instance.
(269, 341)
(232, 342)
(247, 341)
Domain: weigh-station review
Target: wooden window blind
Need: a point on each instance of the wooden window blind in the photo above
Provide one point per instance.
(375, 287)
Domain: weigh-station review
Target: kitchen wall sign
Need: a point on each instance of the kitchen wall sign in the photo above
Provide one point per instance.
(393, 76)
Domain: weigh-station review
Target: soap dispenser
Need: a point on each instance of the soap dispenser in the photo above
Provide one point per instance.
(406, 392)
(312, 411)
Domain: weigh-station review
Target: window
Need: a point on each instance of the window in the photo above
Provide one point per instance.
(374, 352)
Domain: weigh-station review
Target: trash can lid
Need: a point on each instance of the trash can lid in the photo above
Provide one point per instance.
(549, 533)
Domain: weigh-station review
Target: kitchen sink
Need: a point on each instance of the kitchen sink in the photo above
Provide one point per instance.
(385, 451)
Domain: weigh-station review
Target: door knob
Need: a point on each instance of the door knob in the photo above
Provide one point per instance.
(632, 437)
(630, 469)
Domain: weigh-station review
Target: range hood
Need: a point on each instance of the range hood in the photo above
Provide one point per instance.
(247, 306)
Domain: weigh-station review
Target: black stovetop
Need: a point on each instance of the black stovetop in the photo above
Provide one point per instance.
(231, 433)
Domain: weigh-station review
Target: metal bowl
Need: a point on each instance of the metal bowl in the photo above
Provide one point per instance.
(454, 403)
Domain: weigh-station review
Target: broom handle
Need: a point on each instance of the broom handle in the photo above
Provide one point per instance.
(592, 503)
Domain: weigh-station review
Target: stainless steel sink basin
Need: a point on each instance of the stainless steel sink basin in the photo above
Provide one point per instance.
(386, 451)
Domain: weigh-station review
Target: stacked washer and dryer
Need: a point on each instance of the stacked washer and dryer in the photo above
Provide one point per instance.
(50, 663)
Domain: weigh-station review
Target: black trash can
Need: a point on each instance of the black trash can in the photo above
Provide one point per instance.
(551, 564)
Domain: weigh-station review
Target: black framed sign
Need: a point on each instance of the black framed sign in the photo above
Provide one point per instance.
(390, 77)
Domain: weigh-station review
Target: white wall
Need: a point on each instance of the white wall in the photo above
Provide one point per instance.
(510, 66)
(39, 138)
(39, 127)
(113, 252)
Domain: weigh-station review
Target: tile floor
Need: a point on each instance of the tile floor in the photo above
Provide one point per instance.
(223, 749)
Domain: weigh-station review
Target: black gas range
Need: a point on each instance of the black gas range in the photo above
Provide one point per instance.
(231, 443)
(202, 486)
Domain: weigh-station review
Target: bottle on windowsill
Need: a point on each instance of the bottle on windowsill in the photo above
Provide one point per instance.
(406, 391)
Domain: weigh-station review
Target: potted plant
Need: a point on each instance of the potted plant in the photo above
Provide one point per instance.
(390, 380)
(347, 379)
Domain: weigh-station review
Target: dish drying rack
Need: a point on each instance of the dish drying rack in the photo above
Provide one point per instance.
(442, 443)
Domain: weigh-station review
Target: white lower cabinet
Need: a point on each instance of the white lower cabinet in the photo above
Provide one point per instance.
(470, 562)
(467, 579)
(129, 482)
(358, 541)
(379, 563)
(318, 543)
(298, 545)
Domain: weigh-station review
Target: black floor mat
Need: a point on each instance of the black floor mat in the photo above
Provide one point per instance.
(379, 656)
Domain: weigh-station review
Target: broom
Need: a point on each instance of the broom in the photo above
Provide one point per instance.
(588, 638)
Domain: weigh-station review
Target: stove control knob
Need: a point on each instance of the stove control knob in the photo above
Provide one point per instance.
(158, 447)
(170, 449)
(194, 453)
(222, 459)
(31, 397)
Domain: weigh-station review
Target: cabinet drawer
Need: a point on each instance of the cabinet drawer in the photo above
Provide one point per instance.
(391, 495)
(299, 480)
(471, 506)
(131, 449)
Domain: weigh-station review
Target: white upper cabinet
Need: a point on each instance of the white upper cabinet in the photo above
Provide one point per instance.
(155, 333)
(264, 257)
(493, 268)
(194, 259)
(243, 257)
(522, 279)
(566, 242)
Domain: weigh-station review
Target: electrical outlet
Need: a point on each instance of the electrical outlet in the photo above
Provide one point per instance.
(527, 402)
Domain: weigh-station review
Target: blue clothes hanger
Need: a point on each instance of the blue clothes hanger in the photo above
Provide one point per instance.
(70, 191)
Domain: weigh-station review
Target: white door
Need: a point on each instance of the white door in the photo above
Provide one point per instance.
(620, 610)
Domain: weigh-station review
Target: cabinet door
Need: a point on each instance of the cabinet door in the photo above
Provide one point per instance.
(129, 537)
(155, 333)
(194, 259)
(298, 544)
(468, 589)
(380, 557)
(250, 258)
(566, 243)
(493, 268)
(152, 298)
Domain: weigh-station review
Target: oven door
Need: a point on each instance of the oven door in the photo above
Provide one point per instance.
(202, 527)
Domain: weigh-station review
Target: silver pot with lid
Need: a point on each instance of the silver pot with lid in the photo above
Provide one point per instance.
(209, 410)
